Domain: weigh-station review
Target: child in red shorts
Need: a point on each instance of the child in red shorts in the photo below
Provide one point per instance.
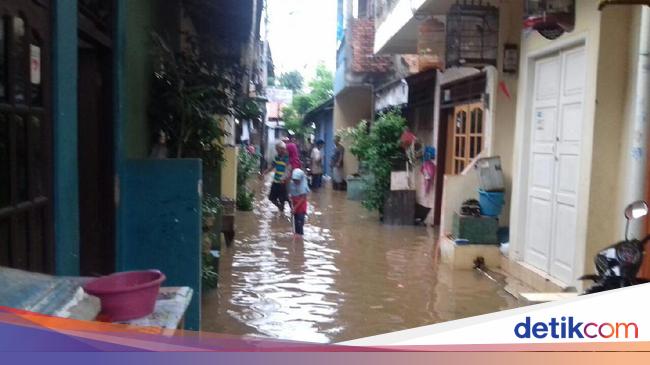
(298, 190)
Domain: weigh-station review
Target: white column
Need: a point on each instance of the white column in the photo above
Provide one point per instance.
(636, 158)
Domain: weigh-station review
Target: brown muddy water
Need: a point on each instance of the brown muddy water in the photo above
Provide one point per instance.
(350, 278)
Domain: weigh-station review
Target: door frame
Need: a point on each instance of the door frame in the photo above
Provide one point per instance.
(519, 212)
(102, 43)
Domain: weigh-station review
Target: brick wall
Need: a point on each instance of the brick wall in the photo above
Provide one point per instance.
(362, 43)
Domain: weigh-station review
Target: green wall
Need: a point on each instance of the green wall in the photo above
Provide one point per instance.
(66, 181)
(142, 17)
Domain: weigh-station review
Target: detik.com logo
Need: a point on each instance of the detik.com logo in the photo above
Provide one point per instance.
(569, 327)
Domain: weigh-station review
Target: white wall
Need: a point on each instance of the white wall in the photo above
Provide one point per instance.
(458, 188)
(632, 176)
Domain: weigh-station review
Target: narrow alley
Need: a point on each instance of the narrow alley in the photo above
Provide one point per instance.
(352, 277)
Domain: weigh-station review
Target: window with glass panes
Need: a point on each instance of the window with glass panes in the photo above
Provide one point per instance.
(468, 129)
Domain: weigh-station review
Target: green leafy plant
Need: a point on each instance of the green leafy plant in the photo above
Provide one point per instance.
(209, 275)
(248, 164)
(378, 150)
(245, 199)
(211, 206)
(292, 80)
(191, 89)
(358, 138)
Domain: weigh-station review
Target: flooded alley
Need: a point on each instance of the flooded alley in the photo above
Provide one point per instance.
(351, 278)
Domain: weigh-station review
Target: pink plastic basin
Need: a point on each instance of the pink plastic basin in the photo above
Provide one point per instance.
(126, 295)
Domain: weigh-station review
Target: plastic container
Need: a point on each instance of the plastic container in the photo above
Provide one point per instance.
(127, 295)
(491, 202)
(356, 188)
(490, 174)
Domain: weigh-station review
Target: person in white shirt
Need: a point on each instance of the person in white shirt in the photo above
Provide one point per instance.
(317, 164)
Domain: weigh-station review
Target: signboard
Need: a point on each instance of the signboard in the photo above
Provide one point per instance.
(281, 96)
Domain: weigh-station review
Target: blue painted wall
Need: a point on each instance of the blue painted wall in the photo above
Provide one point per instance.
(325, 131)
(341, 69)
(66, 180)
(161, 223)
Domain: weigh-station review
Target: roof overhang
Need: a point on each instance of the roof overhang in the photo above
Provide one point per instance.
(398, 33)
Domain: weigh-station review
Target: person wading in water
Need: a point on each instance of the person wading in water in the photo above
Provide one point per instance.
(278, 195)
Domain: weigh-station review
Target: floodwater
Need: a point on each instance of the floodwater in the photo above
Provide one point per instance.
(350, 278)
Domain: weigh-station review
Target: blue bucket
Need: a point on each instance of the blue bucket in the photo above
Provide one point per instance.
(491, 202)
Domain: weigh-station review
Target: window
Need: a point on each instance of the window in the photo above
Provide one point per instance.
(467, 135)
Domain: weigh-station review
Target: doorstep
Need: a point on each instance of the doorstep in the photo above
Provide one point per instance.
(464, 256)
(531, 277)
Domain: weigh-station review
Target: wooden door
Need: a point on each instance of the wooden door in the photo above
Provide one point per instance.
(26, 229)
(466, 132)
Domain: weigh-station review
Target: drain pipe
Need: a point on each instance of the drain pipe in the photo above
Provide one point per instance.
(637, 164)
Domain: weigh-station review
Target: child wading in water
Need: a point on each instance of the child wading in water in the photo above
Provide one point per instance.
(298, 190)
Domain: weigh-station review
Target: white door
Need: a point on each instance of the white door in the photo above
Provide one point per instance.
(554, 166)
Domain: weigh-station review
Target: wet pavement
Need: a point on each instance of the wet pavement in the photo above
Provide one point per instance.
(350, 278)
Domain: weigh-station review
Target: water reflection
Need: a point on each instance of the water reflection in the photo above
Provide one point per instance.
(349, 278)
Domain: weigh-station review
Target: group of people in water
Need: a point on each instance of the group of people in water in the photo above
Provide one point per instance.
(290, 181)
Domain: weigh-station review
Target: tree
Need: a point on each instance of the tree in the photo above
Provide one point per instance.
(322, 86)
(292, 80)
(321, 89)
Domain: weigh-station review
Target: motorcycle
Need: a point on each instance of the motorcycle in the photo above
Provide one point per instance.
(617, 266)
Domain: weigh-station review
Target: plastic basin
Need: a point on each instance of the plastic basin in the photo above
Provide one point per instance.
(126, 295)
(491, 202)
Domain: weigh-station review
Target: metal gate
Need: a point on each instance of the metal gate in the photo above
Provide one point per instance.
(26, 229)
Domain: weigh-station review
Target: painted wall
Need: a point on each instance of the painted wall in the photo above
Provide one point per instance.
(587, 31)
(162, 225)
(610, 129)
(229, 172)
(632, 161)
(504, 107)
(458, 188)
(142, 17)
(350, 107)
(66, 181)
(325, 131)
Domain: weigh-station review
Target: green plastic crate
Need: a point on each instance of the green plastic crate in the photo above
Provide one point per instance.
(476, 230)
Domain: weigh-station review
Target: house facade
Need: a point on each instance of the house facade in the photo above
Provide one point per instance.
(359, 71)
(581, 139)
(564, 111)
(79, 193)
